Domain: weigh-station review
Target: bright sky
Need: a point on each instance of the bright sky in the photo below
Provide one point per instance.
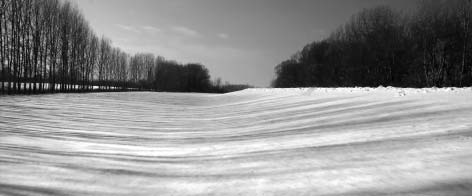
(240, 41)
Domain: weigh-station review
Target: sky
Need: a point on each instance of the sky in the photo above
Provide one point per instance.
(240, 41)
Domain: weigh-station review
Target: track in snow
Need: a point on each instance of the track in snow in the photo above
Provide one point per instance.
(330, 142)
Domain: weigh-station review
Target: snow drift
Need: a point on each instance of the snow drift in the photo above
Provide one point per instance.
(304, 141)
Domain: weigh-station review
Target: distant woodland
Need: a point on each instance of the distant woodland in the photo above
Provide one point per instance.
(47, 46)
(430, 46)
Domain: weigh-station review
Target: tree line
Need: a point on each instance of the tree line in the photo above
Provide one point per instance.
(47, 46)
(431, 46)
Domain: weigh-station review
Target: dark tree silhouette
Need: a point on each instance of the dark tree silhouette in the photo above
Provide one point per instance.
(380, 46)
(48, 46)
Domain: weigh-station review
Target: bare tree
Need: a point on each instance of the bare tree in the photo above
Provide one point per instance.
(3, 10)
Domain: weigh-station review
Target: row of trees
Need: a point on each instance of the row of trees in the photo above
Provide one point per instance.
(380, 46)
(48, 46)
(159, 74)
(156, 73)
(219, 87)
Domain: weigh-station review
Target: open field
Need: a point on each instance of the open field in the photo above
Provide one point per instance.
(328, 142)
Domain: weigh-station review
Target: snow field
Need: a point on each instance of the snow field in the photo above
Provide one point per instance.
(304, 141)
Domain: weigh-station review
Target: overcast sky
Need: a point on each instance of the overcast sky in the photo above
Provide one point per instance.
(240, 41)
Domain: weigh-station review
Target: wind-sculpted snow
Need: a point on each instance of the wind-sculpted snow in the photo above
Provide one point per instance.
(357, 141)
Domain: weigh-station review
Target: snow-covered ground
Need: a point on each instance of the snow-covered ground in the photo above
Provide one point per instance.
(351, 141)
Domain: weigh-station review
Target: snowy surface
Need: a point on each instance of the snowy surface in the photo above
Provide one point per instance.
(346, 141)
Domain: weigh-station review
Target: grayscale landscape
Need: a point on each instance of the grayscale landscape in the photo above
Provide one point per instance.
(236, 97)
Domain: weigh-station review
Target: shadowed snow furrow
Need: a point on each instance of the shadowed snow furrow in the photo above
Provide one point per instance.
(254, 142)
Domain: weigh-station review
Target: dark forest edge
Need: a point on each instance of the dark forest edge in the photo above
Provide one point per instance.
(47, 46)
(430, 46)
